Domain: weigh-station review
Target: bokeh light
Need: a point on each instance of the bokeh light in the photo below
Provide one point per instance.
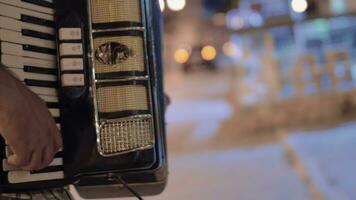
(255, 19)
(162, 4)
(229, 49)
(299, 6)
(181, 56)
(176, 5)
(234, 20)
(208, 53)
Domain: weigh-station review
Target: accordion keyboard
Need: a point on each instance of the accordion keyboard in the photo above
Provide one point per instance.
(28, 50)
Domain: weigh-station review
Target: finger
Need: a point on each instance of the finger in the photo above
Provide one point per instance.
(48, 156)
(19, 159)
(36, 161)
(58, 143)
(9, 151)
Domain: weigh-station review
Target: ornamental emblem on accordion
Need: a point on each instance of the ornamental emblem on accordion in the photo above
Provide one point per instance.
(112, 53)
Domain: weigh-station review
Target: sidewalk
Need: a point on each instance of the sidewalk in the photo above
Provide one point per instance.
(329, 157)
(242, 174)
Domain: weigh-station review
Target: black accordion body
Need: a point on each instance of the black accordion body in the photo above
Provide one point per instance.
(98, 66)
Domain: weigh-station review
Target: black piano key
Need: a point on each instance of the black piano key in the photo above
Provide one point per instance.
(36, 34)
(52, 105)
(38, 83)
(37, 49)
(38, 21)
(48, 169)
(59, 155)
(40, 70)
(40, 3)
(57, 120)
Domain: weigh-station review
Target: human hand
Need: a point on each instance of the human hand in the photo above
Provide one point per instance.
(26, 125)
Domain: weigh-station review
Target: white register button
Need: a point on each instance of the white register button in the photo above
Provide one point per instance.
(68, 64)
(72, 80)
(70, 34)
(71, 49)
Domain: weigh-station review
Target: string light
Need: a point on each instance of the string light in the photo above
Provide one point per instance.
(176, 5)
(208, 53)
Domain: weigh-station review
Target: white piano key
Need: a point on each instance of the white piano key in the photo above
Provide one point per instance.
(54, 112)
(25, 177)
(16, 25)
(30, 6)
(21, 75)
(46, 98)
(20, 62)
(58, 126)
(17, 50)
(18, 38)
(7, 167)
(16, 196)
(8, 152)
(43, 91)
(8, 8)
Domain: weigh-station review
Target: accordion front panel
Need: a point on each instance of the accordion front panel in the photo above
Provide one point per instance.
(28, 51)
(122, 74)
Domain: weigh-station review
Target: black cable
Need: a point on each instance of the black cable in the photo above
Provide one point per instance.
(68, 195)
(129, 188)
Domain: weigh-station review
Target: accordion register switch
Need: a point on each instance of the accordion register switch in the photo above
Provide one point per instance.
(71, 57)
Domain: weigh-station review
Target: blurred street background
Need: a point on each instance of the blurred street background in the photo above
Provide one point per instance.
(263, 99)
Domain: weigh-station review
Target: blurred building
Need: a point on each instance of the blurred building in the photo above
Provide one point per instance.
(290, 59)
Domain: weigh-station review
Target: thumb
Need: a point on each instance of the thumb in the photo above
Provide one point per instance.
(18, 160)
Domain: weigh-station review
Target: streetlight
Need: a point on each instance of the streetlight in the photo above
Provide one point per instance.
(176, 5)
(181, 56)
(208, 53)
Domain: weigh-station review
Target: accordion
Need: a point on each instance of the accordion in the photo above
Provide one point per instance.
(98, 66)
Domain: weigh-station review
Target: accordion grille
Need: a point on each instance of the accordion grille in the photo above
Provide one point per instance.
(122, 98)
(126, 135)
(134, 61)
(108, 11)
